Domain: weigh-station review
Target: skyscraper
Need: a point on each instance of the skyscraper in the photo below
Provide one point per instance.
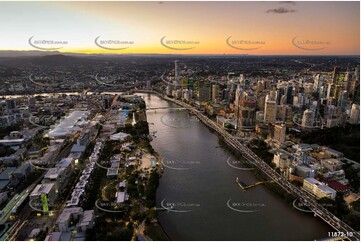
(176, 75)
(270, 110)
(204, 91)
(308, 118)
(215, 92)
(247, 111)
(355, 114)
(288, 93)
(280, 133)
(342, 100)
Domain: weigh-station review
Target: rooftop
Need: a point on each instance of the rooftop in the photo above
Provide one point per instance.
(112, 172)
(64, 162)
(67, 212)
(326, 189)
(313, 181)
(53, 173)
(42, 189)
(66, 126)
(5, 175)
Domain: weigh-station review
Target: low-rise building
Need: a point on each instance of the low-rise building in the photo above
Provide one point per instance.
(332, 164)
(87, 220)
(67, 164)
(305, 171)
(112, 173)
(318, 188)
(68, 218)
(75, 219)
(7, 178)
(44, 195)
(23, 170)
(57, 176)
(122, 197)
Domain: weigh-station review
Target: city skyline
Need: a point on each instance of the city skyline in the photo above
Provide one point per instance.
(253, 28)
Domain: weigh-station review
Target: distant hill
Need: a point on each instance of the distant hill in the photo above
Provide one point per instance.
(47, 60)
(22, 53)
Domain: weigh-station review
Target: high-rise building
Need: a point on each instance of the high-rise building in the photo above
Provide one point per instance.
(355, 86)
(204, 91)
(241, 80)
(355, 114)
(186, 94)
(330, 88)
(288, 93)
(225, 95)
(239, 93)
(335, 75)
(176, 75)
(260, 86)
(342, 100)
(318, 82)
(246, 108)
(270, 110)
(215, 92)
(347, 82)
(308, 118)
(284, 114)
(280, 133)
(184, 83)
(273, 95)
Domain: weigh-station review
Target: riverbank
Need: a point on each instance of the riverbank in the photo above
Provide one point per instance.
(274, 187)
(319, 210)
(199, 180)
(153, 229)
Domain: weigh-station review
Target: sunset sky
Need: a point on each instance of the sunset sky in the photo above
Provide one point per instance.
(334, 27)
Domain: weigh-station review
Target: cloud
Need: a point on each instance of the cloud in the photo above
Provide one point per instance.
(288, 2)
(281, 10)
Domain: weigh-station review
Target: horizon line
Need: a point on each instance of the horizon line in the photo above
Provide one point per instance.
(179, 54)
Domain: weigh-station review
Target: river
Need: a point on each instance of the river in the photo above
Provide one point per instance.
(199, 191)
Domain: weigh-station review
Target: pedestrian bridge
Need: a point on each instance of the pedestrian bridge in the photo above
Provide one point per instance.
(244, 186)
